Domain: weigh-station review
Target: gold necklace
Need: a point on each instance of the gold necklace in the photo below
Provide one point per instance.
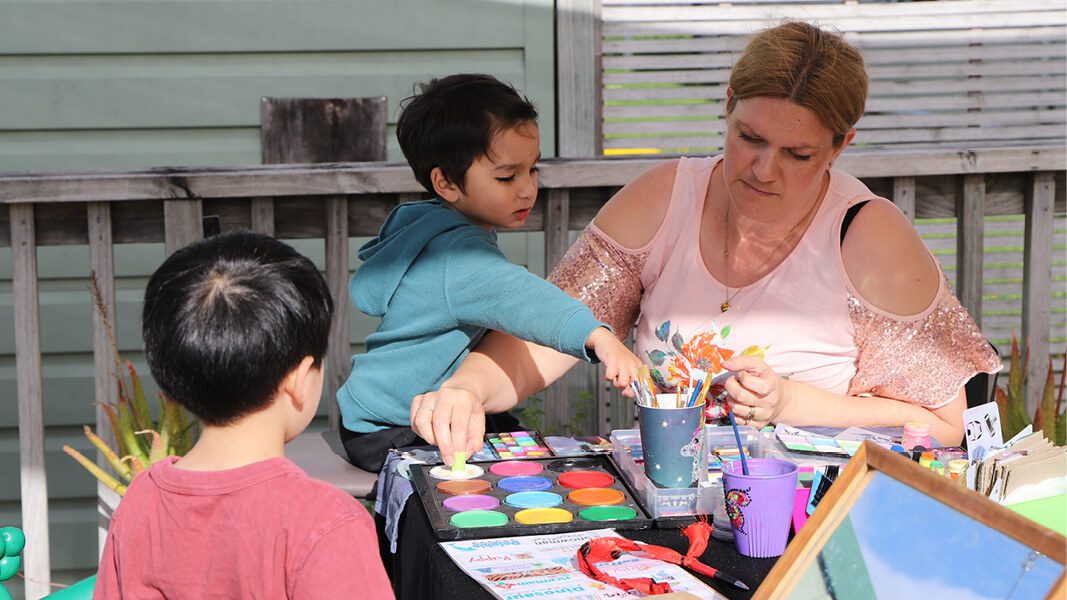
(725, 306)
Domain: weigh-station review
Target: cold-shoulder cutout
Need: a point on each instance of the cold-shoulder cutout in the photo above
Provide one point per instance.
(634, 214)
(887, 264)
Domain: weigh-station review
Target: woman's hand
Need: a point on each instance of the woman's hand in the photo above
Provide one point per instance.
(452, 418)
(757, 394)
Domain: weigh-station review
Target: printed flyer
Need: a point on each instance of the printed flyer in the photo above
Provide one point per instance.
(544, 566)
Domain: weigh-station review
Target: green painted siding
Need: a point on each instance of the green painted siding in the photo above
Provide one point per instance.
(94, 84)
(88, 84)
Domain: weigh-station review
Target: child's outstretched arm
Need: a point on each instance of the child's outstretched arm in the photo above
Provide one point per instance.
(620, 364)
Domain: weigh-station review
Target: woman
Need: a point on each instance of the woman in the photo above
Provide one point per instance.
(764, 260)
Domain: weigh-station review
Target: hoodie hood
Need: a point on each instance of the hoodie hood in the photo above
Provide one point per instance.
(387, 258)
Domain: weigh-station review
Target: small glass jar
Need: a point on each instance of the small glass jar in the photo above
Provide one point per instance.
(957, 470)
(916, 434)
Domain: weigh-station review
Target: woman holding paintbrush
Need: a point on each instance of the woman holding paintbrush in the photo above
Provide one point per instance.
(766, 261)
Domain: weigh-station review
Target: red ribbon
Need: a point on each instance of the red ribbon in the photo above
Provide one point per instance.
(607, 549)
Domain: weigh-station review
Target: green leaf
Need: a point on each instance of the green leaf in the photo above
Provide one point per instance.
(725, 333)
(657, 357)
(1061, 431)
(112, 459)
(113, 419)
(136, 445)
(677, 341)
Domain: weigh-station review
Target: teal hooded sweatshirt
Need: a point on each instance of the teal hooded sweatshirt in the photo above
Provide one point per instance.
(439, 282)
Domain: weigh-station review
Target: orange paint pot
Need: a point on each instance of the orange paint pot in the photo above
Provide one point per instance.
(464, 487)
(596, 496)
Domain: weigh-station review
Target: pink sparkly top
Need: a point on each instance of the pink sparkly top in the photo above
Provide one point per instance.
(804, 317)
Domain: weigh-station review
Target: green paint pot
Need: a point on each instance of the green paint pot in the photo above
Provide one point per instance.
(608, 513)
(478, 518)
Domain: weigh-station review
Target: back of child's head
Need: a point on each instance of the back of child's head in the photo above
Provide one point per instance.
(225, 320)
(451, 122)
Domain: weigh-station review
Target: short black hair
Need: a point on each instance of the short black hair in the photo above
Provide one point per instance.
(450, 123)
(225, 319)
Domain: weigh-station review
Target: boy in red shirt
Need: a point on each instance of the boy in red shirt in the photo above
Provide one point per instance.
(235, 330)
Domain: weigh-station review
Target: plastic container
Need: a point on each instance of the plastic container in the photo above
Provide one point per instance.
(760, 505)
(703, 499)
(916, 434)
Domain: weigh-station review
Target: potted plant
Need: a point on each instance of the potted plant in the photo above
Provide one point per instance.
(141, 437)
(1011, 399)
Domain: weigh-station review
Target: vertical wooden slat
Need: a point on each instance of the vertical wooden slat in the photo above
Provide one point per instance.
(557, 215)
(1037, 282)
(578, 74)
(338, 361)
(904, 196)
(182, 223)
(578, 93)
(557, 218)
(102, 264)
(970, 243)
(36, 561)
(263, 215)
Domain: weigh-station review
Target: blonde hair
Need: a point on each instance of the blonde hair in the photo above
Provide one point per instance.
(812, 67)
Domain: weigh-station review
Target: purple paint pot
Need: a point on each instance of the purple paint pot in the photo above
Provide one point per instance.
(470, 502)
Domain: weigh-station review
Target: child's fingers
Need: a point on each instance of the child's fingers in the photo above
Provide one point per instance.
(475, 433)
(459, 424)
(442, 425)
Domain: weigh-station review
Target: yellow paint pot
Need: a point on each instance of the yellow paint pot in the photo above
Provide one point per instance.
(542, 516)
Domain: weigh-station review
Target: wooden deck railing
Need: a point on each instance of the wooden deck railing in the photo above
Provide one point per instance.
(337, 201)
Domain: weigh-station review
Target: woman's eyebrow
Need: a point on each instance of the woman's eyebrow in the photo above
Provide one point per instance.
(749, 132)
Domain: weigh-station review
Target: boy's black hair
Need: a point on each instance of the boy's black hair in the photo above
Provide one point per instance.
(225, 319)
(451, 122)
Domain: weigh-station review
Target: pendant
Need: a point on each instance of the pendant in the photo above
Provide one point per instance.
(725, 306)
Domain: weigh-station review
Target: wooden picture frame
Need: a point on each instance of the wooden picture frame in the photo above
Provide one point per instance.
(849, 487)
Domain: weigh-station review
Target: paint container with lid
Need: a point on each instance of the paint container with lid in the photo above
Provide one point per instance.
(957, 470)
(916, 434)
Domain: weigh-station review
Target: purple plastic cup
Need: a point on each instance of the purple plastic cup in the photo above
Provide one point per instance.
(760, 504)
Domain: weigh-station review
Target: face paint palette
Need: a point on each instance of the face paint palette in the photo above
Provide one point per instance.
(529, 497)
(514, 445)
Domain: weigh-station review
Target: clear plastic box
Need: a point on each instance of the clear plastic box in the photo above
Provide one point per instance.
(680, 502)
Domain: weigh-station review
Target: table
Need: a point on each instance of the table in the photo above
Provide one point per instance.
(421, 570)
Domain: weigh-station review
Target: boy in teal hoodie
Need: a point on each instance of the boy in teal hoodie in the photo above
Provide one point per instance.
(435, 274)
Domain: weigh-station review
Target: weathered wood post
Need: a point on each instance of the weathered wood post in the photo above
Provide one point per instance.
(579, 134)
(318, 130)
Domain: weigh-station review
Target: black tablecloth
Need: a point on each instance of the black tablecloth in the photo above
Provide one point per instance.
(421, 570)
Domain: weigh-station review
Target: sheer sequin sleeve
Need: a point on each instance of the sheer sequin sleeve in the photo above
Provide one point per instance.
(924, 361)
(605, 277)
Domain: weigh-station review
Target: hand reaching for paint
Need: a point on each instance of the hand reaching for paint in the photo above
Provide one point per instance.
(451, 418)
(620, 364)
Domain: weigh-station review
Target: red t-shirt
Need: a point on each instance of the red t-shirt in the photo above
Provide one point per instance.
(265, 530)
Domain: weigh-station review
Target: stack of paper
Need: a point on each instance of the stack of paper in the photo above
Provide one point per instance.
(1028, 467)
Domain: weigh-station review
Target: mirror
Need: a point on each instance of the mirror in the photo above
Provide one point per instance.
(891, 529)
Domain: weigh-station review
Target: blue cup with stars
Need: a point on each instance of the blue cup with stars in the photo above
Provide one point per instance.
(673, 443)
